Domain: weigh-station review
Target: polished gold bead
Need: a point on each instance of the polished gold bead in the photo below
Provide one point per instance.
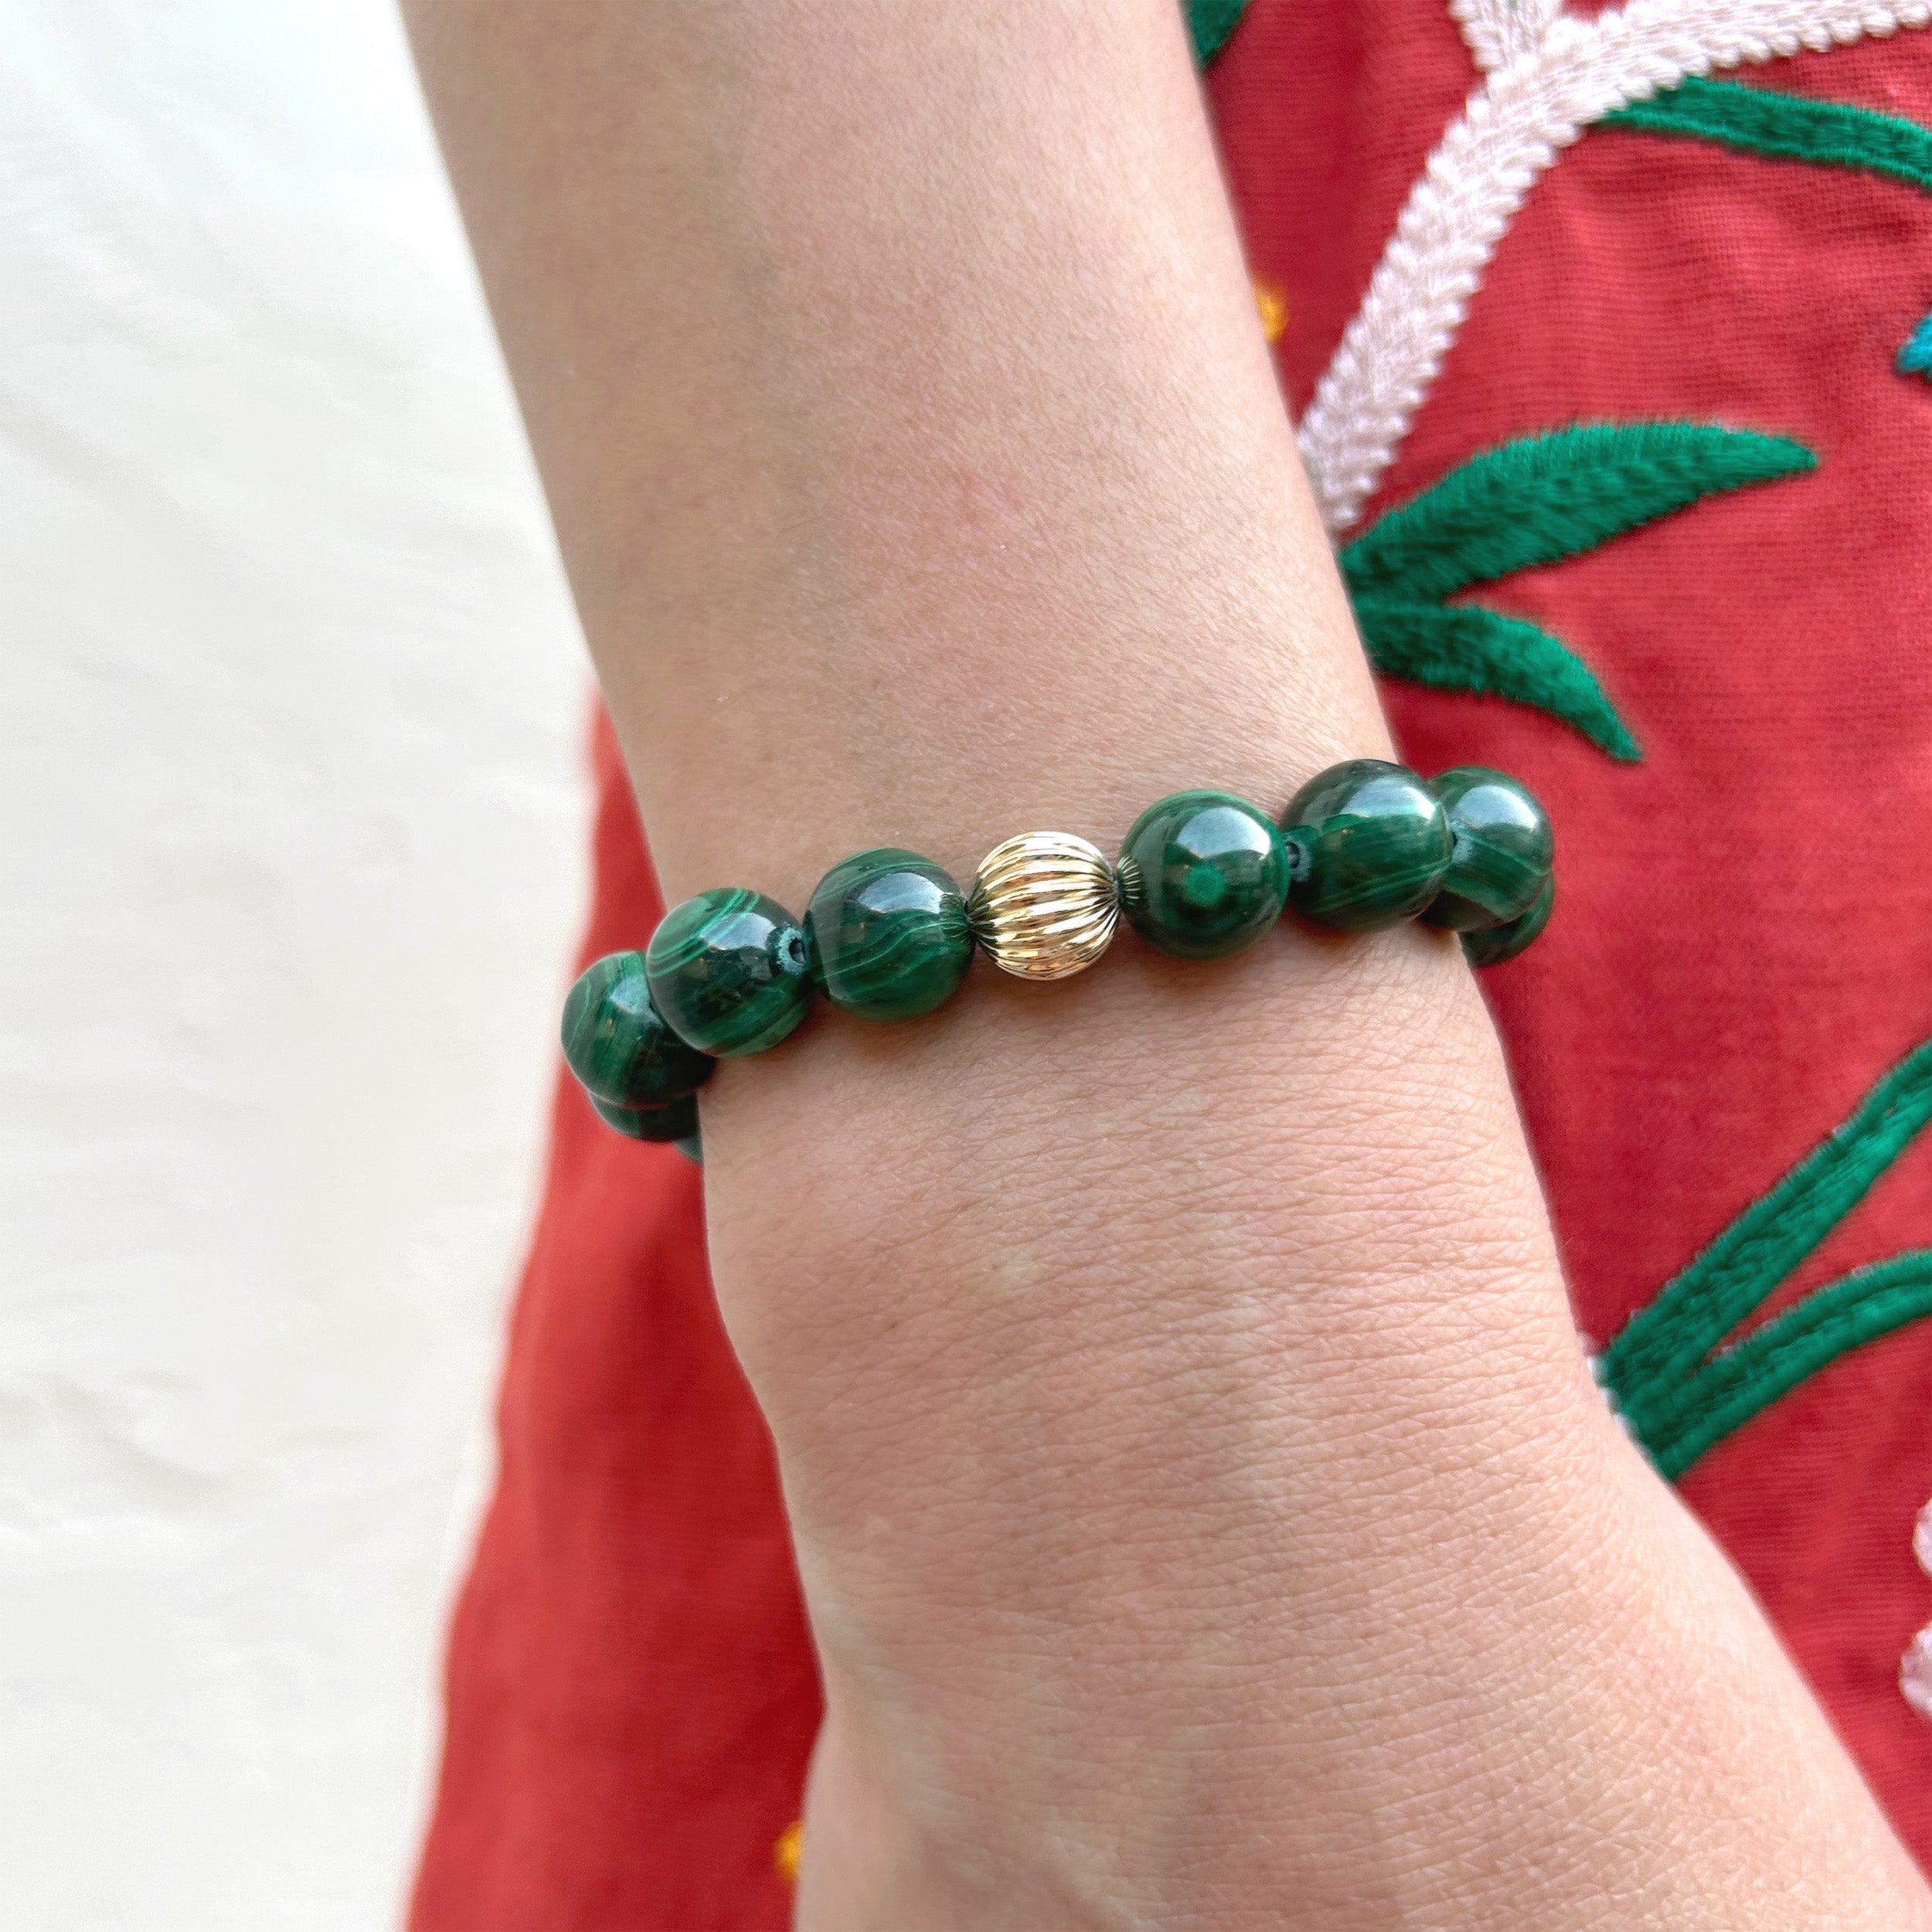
(1043, 905)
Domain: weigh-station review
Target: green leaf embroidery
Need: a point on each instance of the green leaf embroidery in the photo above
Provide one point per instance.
(1830, 1321)
(1546, 498)
(1542, 499)
(1787, 127)
(1463, 648)
(1826, 133)
(1535, 501)
(1680, 1390)
(1765, 1245)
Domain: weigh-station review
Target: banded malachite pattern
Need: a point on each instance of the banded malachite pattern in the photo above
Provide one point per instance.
(1374, 845)
(1503, 849)
(677, 1120)
(1202, 874)
(617, 1044)
(888, 934)
(1492, 945)
(729, 970)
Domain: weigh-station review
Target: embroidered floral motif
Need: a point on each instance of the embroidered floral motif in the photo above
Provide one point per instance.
(1528, 109)
(1533, 502)
(1686, 1371)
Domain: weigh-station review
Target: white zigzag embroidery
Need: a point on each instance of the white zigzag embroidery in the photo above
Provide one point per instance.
(1550, 75)
(1498, 30)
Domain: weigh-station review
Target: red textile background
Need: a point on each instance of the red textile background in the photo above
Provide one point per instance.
(1743, 943)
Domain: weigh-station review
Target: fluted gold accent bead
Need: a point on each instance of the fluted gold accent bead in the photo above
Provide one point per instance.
(1043, 905)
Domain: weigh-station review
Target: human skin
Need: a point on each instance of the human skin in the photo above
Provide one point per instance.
(1205, 1515)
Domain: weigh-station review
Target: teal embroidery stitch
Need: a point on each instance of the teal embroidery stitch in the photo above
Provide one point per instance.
(1535, 501)
(1760, 121)
(1463, 648)
(1678, 1388)
(1211, 23)
(1916, 358)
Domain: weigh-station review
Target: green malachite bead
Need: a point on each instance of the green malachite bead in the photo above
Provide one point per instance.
(1202, 874)
(677, 1120)
(1374, 844)
(1493, 944)
(617, 1044)
(888, 934)
(692, 1148)
(730, 971)
(1503, 849)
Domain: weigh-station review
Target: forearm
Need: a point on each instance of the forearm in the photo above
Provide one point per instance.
(1203, 1511)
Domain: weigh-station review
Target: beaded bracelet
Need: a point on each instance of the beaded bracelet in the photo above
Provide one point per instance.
(888, 935)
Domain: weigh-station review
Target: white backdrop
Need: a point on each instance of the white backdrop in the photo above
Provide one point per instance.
(290, 856)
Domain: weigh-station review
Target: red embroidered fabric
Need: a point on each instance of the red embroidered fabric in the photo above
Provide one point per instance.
(1742, 944)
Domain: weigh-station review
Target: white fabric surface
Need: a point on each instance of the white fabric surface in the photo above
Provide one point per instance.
(291, 865)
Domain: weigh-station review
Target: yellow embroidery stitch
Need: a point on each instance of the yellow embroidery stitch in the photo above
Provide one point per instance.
(1273, 306)
(788, 1851)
